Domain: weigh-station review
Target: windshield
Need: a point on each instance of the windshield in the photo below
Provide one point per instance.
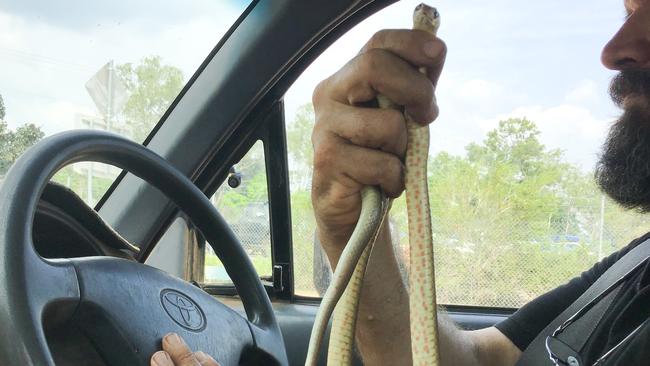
(103, 65)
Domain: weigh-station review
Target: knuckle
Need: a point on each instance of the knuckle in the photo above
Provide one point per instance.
(378, 174)
(393, 175)
(322, 124)
(394, 125)
(432, 114)
(394, 167)
(373, 60)
(319, 93)
(443, 48)
(392, 132)
(320, 121)
(324, 154)
(378, 39)
(428, 93)
(364, 132)
(381, 133)
(426, 105)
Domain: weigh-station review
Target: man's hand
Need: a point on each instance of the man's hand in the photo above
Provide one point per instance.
(355, 145)
(176, 353)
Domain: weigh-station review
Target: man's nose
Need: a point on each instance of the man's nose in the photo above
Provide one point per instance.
(630, 46)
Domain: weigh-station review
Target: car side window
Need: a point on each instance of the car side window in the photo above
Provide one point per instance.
(515, 208)
(243, 202)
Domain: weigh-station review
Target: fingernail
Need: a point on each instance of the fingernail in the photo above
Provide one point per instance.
(161, 358)
(174, 339)
(431, 49)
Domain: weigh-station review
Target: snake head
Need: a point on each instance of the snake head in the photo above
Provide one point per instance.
(426, 17)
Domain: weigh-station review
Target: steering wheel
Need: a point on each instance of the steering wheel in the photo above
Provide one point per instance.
(124, 307)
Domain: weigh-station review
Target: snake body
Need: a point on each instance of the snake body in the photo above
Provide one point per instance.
(342, 296)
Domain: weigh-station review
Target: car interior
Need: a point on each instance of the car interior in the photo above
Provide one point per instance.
(102, 283)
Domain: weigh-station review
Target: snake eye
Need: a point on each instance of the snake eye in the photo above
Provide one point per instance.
(435, 13)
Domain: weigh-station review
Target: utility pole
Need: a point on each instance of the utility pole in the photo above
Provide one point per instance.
(110, 95)
(89, 176)
(108, 120)
(109, 105)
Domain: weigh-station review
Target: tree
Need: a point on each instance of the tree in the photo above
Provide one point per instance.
(2, 109)
(152, 87)
(14, 143)
(492, 212)
(301, 152)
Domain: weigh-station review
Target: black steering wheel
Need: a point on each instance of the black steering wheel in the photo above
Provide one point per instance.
(123, 307)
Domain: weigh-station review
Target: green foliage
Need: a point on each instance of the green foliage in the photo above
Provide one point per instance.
(14, 143)
(299, 132)
(301, 153)
(2, 108)
(511, 173)
(240, 207)
(78, 182)
(253, 189)
(152, 86)
(501, 213)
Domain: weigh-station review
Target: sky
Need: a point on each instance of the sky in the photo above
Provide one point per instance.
(49, 49)
(507, 58)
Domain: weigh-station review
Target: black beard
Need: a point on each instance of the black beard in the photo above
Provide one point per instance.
(623, 170)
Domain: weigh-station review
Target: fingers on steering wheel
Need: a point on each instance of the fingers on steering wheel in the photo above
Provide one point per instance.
(179, 354)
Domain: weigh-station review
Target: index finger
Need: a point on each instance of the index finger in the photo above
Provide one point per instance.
(417, 47)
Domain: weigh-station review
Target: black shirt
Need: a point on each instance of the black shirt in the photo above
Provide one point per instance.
(628, 310)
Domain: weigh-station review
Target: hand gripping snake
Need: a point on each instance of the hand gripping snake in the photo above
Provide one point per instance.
(342, 296)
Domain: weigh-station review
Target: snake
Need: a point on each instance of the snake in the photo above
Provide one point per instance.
(342, 296)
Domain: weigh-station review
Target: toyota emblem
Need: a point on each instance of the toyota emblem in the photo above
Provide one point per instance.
(183, 310)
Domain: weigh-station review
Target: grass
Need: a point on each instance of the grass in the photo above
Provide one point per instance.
(262, 264)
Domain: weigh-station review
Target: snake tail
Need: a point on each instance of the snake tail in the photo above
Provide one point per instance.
(369, 220)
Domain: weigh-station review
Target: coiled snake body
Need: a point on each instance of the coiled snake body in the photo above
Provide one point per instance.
(346, 281)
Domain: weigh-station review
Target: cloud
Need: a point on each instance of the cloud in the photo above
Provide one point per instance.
(83, 15)
(45, 66)
(571, 128)
(586, 92)
(514, 68)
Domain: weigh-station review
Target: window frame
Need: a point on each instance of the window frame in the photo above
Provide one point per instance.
(269, 129)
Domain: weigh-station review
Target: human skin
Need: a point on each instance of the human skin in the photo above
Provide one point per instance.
(175, 352)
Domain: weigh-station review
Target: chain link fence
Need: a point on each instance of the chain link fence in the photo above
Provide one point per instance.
(492, 249)
(243, 202)
(496, 260)
(496, 265)
(480, 261)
